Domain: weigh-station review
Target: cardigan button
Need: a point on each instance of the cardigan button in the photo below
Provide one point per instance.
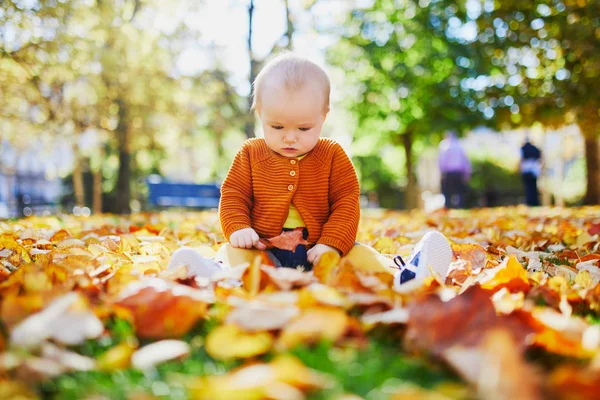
(291, 187)
(293, 162)
(292, 173)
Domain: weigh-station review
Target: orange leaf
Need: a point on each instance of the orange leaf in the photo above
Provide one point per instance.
(569, 382)
(60, 236)
(162, 311)
(254, 279)
(510, 274)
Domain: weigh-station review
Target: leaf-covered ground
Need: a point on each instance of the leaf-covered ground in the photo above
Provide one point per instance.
(88, 310)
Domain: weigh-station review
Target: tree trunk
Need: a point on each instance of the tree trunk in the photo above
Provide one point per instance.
(411, 183)
(254, 65)
(123, 195)
(592, 163)
(289, 31)
(97, 201)
(78, 177)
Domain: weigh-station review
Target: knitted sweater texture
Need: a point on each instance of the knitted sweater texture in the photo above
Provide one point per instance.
(323, 186)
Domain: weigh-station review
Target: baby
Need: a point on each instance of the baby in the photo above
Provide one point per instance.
(292, 178)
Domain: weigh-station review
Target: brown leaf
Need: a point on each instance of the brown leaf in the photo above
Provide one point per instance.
(474, 254)
(287, 240)
(496, 368)
(434, 326)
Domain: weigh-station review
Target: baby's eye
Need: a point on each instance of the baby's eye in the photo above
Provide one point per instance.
(277, 127)
(305, 129)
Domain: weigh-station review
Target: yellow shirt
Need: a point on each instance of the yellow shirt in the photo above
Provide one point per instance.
(294, 219)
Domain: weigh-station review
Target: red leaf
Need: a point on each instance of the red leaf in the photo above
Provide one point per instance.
(594, 229)
(287, 240)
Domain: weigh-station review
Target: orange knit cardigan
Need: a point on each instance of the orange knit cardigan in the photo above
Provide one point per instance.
(323, 186)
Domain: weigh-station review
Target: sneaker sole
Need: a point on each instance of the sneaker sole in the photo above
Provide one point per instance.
(436, 256)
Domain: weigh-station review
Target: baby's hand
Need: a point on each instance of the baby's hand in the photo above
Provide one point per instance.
(246, 238)
(316, 252)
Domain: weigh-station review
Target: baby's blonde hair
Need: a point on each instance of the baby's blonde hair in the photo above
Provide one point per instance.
(293, 71)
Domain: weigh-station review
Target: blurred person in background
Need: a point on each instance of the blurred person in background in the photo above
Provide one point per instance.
(531, 168)
(455, 169)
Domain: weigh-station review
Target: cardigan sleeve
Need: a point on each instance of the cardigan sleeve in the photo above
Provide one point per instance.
(236, 195)
(344, 204)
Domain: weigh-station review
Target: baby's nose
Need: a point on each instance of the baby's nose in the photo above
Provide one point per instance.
(289, 137)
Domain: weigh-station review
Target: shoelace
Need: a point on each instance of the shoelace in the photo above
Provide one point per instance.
(399, 262)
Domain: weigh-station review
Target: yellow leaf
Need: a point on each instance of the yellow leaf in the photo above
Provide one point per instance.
(229, 342)
(313, 325)
(252, 277)
(117, 357)
(290, 370)
(584, 280)
(8, 242)
(511, 272)
(324, 268)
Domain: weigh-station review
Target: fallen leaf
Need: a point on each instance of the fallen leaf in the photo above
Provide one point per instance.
(474, 254)
(117, 357)
(313, 325)
(496, 368)
(288, 240)
(163, 309)
(159, 352)
(227, 342)
(569, 382)
(325, 266)
(255, 316)
(434, 325)
(509, 274)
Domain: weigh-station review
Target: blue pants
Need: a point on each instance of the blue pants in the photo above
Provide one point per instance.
(532, 197)
(292, 259)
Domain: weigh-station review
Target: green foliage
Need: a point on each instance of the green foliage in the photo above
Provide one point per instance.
(544, 55)
(488, 175)
(407, 71)
(167, 380)
(104, 66)
(371, 370)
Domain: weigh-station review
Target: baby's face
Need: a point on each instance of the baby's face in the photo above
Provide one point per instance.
(292, 119)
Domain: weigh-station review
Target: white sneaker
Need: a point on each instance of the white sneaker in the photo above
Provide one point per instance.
(433, 253)
(196, 263)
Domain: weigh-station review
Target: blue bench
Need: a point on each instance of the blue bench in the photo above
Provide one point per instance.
(162, 193)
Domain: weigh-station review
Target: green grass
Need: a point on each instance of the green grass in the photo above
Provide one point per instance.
(369, 371)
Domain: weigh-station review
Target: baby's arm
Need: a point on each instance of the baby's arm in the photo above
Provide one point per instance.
(344, 204)
(236, 201)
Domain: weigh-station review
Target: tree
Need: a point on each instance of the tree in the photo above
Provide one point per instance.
(407, 66)
(256, 63)
(544, 61)
(100, 65)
